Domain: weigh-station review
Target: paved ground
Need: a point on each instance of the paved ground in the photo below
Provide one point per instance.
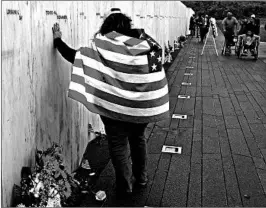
(223, 140)
(262, 51)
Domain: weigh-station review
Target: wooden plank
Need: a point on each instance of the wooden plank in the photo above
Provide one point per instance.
(227, 106)
(259, 132)
(237, 142)
(231, 122)
(208, 106)
(213, 192)
(156, 141)
(139, 199)
(175, 190)
(231, 182)
(156, 193)
(249, 182)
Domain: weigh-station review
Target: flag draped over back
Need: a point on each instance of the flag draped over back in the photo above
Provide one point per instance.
(122, 78)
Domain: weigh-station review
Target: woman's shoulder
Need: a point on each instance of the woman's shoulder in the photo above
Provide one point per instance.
(136, 33)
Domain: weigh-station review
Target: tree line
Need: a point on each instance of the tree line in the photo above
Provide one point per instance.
(219, 9)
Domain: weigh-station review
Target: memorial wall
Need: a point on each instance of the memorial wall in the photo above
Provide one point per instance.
(35, 108)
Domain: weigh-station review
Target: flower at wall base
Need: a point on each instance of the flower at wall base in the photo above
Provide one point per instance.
(36, 189)
(54, 202)
(21, 205)
(100, 195)
(52, 192)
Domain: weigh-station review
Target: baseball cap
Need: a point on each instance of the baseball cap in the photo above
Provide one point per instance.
(253, 16)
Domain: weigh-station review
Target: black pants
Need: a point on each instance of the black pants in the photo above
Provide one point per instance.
(197, 31)
(203, 32)
(192, 31)
(119, 134)
(250, 47)
(229, 37)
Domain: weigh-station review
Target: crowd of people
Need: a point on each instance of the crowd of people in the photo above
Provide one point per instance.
(248, 29)
(199, 25)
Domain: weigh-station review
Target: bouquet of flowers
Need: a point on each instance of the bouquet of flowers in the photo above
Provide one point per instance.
(49, 185)
(167, 54)
(176, 45)
(181, 41)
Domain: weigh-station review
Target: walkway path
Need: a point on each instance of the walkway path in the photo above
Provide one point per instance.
(223, 139)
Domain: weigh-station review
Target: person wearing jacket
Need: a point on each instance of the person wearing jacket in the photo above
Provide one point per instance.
(192, 25)
(204, 25)
(254, 24)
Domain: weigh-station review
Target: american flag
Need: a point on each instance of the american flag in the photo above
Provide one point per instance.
(122, 78)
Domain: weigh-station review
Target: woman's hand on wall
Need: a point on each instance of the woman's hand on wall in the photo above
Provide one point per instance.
(56, 31)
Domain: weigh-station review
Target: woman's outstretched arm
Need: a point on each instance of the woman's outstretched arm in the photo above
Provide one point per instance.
(67, 52)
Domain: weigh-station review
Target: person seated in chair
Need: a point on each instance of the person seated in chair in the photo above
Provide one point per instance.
(250, 40)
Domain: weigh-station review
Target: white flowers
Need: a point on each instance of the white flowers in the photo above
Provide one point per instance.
(53, 195)
(38, 185)
(54, 202)
(100, 196)
(21, 205)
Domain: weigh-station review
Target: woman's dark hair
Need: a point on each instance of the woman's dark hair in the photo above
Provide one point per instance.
(116, 22)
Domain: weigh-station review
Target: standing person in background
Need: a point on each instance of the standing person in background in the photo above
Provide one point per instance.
(197, 24)
(120, 77)
(204, 26)
(230, 29)
(243, 26)
(255, 24)
(213, 25)
(192, 25)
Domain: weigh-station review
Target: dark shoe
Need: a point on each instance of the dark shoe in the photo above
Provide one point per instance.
(122, 194)
(252, 51)
(140, 184)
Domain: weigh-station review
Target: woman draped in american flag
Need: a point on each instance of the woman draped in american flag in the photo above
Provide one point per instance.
(120, 76)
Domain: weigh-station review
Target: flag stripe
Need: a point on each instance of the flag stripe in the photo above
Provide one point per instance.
(134, 49)
(139, 87)
(131, 78)
(121, 49)
(122, 38)
(133, 41)
(118, 108)
(134, 96)
(121, 78)
(108, 113)
(121, 58)
(113, 35)
(115, 99)
(129, 69)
